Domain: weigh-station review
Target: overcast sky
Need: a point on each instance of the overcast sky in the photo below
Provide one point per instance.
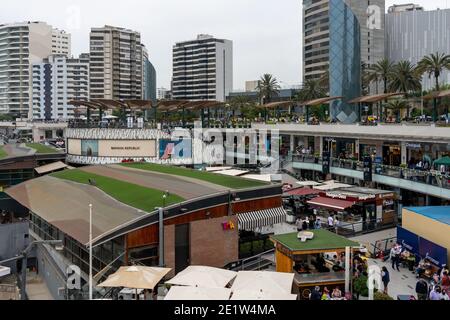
(266, 34)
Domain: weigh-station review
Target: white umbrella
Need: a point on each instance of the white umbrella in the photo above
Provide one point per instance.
(247, 295)
(265, 281)
(205, 277)
(136, 277)
(195, 294)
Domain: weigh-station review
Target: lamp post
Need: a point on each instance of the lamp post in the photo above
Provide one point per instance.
(90, 252)
(161, 230)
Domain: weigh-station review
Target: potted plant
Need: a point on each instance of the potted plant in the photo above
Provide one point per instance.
(382, 296)
(360, 287)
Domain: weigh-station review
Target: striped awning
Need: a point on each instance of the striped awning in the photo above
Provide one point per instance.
(250, 221)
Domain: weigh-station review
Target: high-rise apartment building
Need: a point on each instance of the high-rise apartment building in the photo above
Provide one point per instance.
(405, 7)
(57, 81)
(342, 37)
(413, 34)
(21, 46)
(148, 78)
(115, 63)
(202, 69)
(61, 42)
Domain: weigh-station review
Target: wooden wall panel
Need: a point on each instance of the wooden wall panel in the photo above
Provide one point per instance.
(260, 204)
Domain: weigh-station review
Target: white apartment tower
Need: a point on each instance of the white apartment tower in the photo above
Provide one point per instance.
(115, 63)
(61, 42)
(202, 69)
(21, 46)
(57, 81)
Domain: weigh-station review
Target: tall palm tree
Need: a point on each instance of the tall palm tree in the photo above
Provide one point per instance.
(312, 89)
(405, 78)
(434, 64)
(397, 106)
(268, 87)
(381, 71)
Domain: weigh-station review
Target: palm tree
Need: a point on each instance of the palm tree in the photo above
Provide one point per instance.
(312, 89)
(405, 78)
(381, 71)
(268, 87)
(397, 106)
(434, 64)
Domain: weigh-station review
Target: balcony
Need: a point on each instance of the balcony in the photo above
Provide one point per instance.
(429, 182)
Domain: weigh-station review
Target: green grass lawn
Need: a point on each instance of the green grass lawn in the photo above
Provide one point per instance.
(41, 149)
(134, 195)
(225, 181)
(3, 153)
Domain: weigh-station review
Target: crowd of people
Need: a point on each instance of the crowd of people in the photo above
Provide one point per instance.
(433, 282)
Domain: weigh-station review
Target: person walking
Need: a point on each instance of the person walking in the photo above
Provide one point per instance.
(422, 289)
(331, 223)
(316, 294)
(385, 277)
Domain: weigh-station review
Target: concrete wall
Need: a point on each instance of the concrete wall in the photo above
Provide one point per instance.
(13, 239)
(427, 228)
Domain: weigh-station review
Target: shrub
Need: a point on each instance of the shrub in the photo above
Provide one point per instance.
(381, 296)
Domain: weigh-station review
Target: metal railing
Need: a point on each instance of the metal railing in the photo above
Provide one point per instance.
(429, 177)
(254, 263)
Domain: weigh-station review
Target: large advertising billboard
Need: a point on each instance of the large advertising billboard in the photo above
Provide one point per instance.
(175, 149)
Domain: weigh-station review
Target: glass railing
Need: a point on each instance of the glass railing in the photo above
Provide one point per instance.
(429, 177)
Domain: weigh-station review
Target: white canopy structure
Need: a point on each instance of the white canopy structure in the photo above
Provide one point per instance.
(259, 177)
(264, 281)
(232, 173)
(196, 294)
(332, 186)
(246, 295)
(214, 169)
(136, 277)
(309, 183)
(203, 277)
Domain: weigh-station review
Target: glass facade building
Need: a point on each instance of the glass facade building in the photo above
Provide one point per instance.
(345, 60)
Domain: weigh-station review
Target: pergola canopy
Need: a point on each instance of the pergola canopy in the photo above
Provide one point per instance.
(375, 98)
(105, 104)
(317, 102)
(279, 104)
(437, 94)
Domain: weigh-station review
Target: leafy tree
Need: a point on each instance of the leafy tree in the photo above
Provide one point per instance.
(405, 78)
(381, 71)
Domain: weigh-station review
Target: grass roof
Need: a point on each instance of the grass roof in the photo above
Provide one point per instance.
(323, 240)
(133, 195)
(221, 180)
(41, 149)
(3, 153)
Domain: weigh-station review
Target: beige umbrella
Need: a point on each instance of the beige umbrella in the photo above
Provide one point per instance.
(197, 294)
(136, 277)
(264, 281)
(205, 277)
(252, 295)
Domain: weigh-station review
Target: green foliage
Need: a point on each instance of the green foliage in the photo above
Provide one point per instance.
(434, 64)
(360, 286)
(382, 296)
(268, 87)
(3, 153)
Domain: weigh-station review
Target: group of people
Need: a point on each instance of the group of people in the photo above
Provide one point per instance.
(309, 223)
(317, 294)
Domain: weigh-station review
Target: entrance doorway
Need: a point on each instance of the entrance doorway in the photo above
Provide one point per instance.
(182, 244)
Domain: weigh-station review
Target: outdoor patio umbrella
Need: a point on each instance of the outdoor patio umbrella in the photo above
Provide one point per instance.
(443, 161)
(251, 295)
(197, 294)
(135, 277)
(264, 281)
(204, 277)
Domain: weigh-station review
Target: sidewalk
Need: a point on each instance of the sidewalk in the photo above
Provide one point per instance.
(37, 288)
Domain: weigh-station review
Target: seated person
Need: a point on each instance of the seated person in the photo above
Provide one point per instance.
(423, 267)
(320, 264)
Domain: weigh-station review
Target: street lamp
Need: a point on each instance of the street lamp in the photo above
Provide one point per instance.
(161, 229)
(90, 252)
(58, 245)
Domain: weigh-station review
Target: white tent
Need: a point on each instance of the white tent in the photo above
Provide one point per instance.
(246, 295)
(213, 169)
(195, 294)
(265, 281)
(204, 277)
(332, 186)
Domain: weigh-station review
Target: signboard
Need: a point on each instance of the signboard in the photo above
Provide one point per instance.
(127, 148)
(368, 169)
(422, 247)
(228, 226)
(435, 253)
(409, 240)
(326, 162)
